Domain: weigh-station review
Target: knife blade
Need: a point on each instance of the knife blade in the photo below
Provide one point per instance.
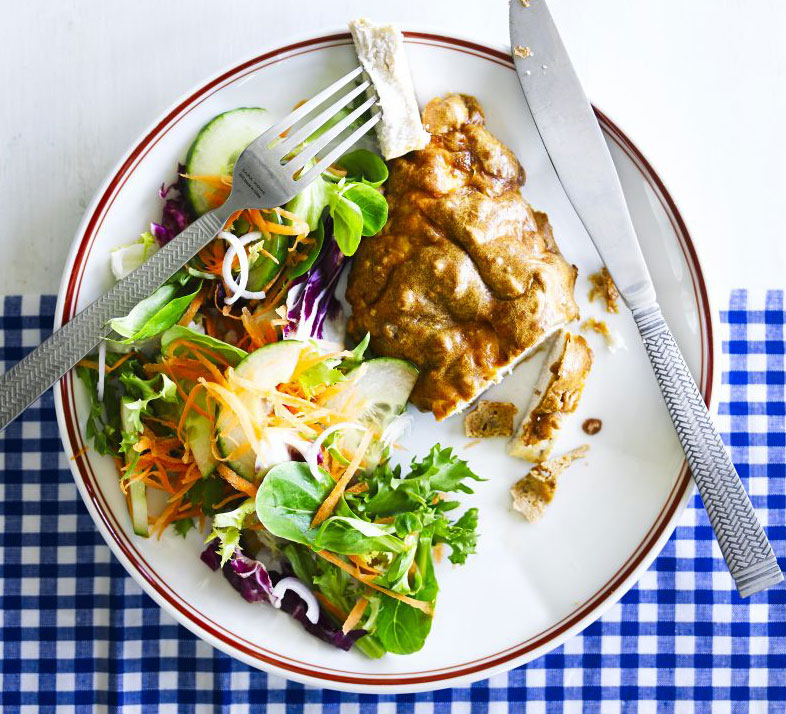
(581, 159)
(570, 132)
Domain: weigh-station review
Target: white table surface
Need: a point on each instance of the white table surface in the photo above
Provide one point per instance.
(699, 86)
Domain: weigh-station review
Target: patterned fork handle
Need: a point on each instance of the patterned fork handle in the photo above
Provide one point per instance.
(27, 380)
(742, 541)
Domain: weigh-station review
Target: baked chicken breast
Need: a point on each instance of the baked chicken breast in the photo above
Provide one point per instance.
(465, 279)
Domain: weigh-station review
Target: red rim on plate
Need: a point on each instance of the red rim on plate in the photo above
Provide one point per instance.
(125, 547)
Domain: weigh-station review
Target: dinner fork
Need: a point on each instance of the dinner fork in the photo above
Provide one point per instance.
(273, 169)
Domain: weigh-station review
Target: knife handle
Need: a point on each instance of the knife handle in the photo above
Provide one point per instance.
(742, 540)
(29, 378)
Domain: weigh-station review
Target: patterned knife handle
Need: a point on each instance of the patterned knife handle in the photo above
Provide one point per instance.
(27, 380)
(742, 541)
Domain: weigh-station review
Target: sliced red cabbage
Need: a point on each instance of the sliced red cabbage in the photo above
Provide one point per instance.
(255, 583)
(312, 307)
(175, 215)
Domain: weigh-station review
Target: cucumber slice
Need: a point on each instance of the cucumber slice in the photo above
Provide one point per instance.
(137, 491)
(216, 148)
(267, 367)
(198, 432)
(384, 389)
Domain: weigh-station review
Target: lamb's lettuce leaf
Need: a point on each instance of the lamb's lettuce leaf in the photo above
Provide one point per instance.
(156, 313)
(363, 165)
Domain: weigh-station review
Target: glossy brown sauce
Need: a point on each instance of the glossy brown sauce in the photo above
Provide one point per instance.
(465, 276)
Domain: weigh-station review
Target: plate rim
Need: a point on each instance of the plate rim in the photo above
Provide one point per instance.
(587, 612)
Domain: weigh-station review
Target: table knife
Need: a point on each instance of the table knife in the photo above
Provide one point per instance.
(575, 144)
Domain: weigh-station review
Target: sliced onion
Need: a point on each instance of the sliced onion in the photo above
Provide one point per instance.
(101, 370)
(299, 588)
(287, 437)
(237, 248)
(313, 452)
(397, 428)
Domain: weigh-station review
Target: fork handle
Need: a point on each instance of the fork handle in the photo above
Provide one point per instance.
(29, 378)
(742, 540)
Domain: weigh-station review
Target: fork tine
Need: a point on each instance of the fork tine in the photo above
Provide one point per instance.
(335, 152)
(277, 129)
(312, 149)
(308, 129)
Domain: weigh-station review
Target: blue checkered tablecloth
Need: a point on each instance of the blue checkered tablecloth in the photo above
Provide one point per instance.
(78, 633)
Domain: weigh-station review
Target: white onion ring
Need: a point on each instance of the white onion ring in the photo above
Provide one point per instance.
(299, 588)
(237, 248)
(313, 452)
(101, 370)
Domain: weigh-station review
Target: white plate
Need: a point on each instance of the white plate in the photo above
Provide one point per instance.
(529, 587)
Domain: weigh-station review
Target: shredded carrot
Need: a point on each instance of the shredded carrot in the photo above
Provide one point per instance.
(212, 256)
(255, 219)
(220, 185)
(236, 406)
(412, 602)
(363, 565)
(213, 180)
(259, 330)
(189, 405)
(196, 303)
(330, 607)
(237, 482)
(387, 519)
(164, 422)
(358, 488)
(330, 502)
(438, 551)
(228, 499)
(193, 347)
(211, 368)
(354, 615)
(166, 517)
(90, 364)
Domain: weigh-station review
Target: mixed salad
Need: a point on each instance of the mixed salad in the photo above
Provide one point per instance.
(231, 404)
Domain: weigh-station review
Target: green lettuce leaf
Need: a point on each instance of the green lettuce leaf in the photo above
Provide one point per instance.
(461, 536)
(321, 374)
(127, 258)
(366, 166)
(103, 426)
(372, 204)
(183, 526)
(354, 536)
(140, 393)
(227, 527)
(230, 353)
(155, 313)
(439, 472)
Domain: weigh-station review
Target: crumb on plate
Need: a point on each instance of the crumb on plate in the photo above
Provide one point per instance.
(536, 490)
(603, 287)
(591, 426)
(490, 419)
